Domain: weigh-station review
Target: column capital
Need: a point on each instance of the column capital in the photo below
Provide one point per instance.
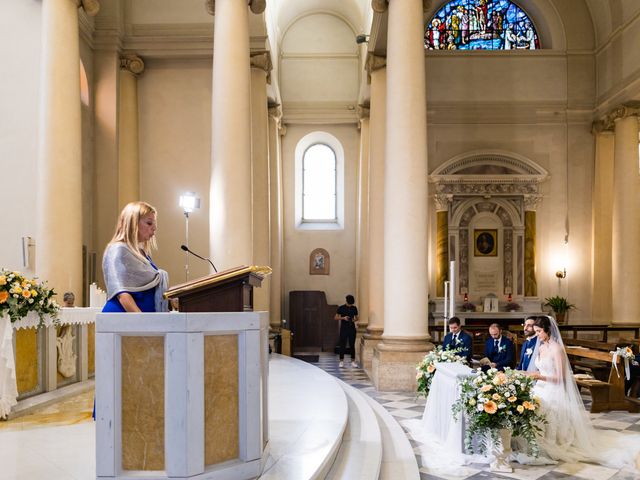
(373, 63)
(275, 111)
(362, 111)
(256, 6)
(91, 7)
(379, 6)
(262, 60)
(132, 63)
(607, 122)
(531, 202)
(442, 201)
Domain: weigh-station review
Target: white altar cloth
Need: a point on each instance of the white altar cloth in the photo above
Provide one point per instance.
(8, 385)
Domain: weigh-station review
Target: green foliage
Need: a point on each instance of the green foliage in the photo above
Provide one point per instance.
(559, 304)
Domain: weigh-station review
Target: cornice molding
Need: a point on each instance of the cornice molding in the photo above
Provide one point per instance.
(132, 63)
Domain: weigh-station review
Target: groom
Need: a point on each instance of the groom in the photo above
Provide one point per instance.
(526, 362)
(458, 338)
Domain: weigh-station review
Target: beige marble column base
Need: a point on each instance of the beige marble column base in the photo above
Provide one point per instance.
(367, 344)
(393, 367)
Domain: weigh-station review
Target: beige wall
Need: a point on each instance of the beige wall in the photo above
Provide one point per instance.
(340, 244)
(175, 156)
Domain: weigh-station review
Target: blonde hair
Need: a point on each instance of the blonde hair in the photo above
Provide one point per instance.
(127, 228)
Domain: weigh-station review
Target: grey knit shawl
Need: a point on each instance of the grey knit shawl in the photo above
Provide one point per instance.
(126, 272)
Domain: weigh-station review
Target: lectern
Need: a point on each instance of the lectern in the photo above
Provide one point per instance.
(227, 291)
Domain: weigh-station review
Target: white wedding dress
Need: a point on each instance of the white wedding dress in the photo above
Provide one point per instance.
(569, 435)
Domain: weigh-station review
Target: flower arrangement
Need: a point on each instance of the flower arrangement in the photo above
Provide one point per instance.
(512, 306)
(495, 400)
(468, 306)
(627, 356)
(20, 295)
(426, 369)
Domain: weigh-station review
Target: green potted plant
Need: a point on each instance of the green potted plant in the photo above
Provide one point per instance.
(560, 307)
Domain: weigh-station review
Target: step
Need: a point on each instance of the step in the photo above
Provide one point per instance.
(360, 454)
(308, 414)
(398, 458)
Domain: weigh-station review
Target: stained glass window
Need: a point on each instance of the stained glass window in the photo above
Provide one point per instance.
(481, 25)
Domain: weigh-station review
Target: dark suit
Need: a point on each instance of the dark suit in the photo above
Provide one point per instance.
(525, 359)
(464, 341)
(501, 354)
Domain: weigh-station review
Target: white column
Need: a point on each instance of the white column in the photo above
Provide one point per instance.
(128, 154)
(230, 225)
(601, 304)
(405, 202)
(260, 68)
(275, 205)
(362, 235)
(375, 237)
(626, 222)
(59, 213)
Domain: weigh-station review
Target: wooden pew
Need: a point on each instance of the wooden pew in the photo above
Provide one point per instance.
(608, 395)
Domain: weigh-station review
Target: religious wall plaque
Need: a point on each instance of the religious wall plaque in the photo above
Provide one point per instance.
(319, 262)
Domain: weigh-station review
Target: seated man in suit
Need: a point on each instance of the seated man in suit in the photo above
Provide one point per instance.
(498, 351)
(529, 347)
(458, 338)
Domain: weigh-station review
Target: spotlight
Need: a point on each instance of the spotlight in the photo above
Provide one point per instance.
(362, 38)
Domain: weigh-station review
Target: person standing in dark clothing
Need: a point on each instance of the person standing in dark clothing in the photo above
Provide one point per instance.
(347, 315)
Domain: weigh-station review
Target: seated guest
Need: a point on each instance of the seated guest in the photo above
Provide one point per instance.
(498, 350)
(529, 347)
(69, 300)
(458, 338)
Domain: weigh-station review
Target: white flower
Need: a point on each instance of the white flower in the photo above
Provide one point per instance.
(528, 352)
(480, 407)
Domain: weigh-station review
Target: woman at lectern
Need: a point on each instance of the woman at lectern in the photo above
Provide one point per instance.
(134, 283)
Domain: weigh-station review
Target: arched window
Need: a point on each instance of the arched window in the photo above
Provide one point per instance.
(319, 184)
(481, 25)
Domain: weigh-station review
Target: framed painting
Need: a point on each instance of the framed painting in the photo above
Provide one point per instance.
(485, 243)
(319, 262)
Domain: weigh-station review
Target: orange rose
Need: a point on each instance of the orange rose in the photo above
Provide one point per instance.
(26, 293)
(485, 388)
(3, 296)
(431, 368)
(490, 407)
(529, 405)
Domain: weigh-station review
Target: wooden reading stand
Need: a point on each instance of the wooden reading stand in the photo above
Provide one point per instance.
(227, 291)
(605, 395)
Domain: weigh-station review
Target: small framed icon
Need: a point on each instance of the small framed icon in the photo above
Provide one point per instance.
(485, 243)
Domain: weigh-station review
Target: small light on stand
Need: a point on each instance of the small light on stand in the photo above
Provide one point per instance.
(189, 202)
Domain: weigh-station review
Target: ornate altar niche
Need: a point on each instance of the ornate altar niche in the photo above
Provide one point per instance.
(486, 204)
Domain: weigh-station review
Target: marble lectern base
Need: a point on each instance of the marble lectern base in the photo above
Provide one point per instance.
(181, 395)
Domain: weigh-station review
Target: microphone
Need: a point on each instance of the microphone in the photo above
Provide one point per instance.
(186, 249)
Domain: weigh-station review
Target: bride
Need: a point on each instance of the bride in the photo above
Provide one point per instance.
(569, 434)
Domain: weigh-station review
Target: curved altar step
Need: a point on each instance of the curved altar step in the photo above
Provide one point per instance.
(308, 414)
(360, 454)
(398, 458)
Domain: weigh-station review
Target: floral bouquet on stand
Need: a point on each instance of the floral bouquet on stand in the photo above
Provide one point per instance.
(426, 369)
(627, 356)
(20, 295)
(495, 402)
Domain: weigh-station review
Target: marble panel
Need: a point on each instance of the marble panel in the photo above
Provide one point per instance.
(143, 403)
(91, 348)
(221, 399)
(27, 360)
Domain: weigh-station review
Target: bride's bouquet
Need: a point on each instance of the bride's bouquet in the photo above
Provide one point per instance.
(495, 400)
(426, 369)
(20, 295)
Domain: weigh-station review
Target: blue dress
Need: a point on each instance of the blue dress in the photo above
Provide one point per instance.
(145, 299)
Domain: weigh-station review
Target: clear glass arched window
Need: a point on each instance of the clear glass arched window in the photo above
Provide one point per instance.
(319, 182)
(481, 25)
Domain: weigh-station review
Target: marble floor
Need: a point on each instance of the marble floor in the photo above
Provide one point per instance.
(403, 405)
(48, 443)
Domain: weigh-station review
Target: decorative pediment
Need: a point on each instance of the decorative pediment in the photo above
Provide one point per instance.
(488, 173)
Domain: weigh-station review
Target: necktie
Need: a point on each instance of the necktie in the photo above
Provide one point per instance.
(495, 344)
